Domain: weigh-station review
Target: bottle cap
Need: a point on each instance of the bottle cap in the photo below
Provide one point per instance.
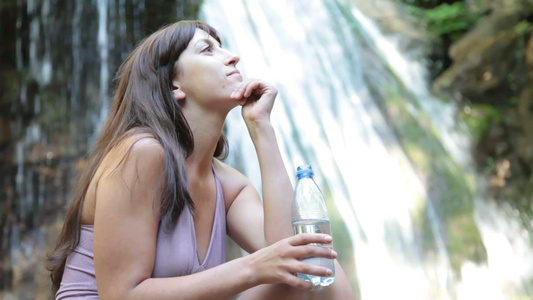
(304, 171)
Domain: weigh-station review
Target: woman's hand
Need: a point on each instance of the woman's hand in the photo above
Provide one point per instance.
(257, 98)
(279, 262)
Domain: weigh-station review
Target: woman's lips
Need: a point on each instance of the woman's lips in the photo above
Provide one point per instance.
(234, 72)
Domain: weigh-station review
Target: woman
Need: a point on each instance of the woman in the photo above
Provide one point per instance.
(151, 209)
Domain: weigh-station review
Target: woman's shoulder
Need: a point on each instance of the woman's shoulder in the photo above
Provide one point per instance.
(232, 181)
(135, 158)
(138, 148)
(145, 145)
(140, 141)
(229, 174)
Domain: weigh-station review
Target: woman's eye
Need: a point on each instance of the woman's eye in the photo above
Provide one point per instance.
(207, 49)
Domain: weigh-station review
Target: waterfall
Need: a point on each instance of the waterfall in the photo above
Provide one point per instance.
(409, 218)
(57, 66)
(104, 54)
(339, 79)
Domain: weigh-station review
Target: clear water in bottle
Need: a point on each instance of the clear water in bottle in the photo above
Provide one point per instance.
(316, 226)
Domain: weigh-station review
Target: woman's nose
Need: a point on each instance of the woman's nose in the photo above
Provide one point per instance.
(232, 59)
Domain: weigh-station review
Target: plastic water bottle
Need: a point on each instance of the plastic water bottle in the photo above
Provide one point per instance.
(310, 215)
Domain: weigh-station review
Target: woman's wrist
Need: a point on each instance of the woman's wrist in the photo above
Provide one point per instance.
(250, 272)
(258, 128)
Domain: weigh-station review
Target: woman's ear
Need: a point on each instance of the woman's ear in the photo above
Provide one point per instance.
(177, 92)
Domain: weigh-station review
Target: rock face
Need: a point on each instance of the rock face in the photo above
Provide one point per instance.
(50, 88)
(525, 117)
(487, 6)
(492, 68)
(525, 113)
(488, 62)
(493, 65)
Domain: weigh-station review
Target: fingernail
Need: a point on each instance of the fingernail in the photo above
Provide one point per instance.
(329, 272)
(334, 253)
(328, 238)
(232, 94)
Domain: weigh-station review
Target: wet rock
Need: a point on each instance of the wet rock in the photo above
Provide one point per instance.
(529, 58)
(488, 63)
(488, 6)
(493, 66)
(48, 114)
(524, 111)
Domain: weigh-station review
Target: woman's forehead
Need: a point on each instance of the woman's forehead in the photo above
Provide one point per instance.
(201, 35)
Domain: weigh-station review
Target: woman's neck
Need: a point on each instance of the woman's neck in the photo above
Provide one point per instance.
(206, 129)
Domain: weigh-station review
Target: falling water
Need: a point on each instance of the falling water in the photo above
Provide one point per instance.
(323, 57)
(103, 50)
(55, 96)
(344, 90)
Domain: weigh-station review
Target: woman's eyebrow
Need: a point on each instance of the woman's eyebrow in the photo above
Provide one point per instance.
(207, 41)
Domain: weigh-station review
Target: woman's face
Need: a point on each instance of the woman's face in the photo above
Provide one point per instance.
(207, 72)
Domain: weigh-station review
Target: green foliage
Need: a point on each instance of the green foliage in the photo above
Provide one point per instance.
(416, 11)
(422, 3)
(523, 27)
(490, 165)
(443, 20)
(478, 118)
(452, 20)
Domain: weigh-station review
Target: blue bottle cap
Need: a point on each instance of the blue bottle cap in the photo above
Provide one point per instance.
(304, 171)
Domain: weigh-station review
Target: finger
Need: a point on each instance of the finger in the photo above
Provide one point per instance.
(305, 268)
(314, 250)
(238, 92)
(308, 238)
(298, 283)
(253, 85)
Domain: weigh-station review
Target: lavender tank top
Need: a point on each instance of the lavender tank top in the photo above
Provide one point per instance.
(176, 252)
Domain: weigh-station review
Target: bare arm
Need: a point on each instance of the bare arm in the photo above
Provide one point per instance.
(274, 215)
(126, 223)
(277, 188)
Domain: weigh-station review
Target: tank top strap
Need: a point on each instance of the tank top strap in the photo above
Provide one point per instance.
(216, 253)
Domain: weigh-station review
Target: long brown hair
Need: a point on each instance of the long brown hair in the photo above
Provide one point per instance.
(142, 103)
